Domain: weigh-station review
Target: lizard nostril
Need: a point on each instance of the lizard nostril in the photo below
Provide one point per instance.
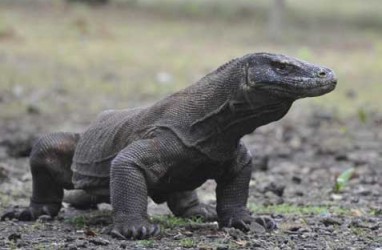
(322, 74)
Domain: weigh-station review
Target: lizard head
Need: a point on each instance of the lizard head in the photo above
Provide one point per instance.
(287, 77)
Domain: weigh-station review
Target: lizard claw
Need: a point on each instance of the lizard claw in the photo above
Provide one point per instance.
(242, 219)
(33, 212)
(242, 225)
(122, 231)
(25, 214)
(238, 218)
(268, 223)
(116, 234)
(9, 215)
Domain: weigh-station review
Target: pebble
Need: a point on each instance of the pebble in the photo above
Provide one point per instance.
(222, 247)
(331, 221)
(72, 247)
(336, 197)
(178, 236)
(99, 241)
(14, 237)
(45, 218)
(234, 233)
(205, 247)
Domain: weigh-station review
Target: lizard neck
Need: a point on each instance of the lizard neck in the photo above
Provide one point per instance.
(213, 115)
(226, 114)
(233, 119)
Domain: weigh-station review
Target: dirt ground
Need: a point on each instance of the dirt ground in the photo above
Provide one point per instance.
(296, 162)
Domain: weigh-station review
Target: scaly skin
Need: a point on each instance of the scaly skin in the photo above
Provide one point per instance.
(167, 150)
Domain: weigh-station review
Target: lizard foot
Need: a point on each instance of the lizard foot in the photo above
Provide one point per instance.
(134, 229)
(33, 212)
(242, 219)
(239, 218)
(268, 223)
(203, 211)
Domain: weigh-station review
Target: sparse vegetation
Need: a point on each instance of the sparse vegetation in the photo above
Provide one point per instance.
(297, 210)
(343, 179)
(187, 243)
(78, 221)
(147, 243)
(171, 222)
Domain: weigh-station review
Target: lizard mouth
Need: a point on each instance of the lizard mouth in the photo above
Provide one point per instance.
(299, 90)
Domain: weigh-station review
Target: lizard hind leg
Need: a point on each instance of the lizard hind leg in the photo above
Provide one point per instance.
(50, 163)
(80, 199)
(187, 205)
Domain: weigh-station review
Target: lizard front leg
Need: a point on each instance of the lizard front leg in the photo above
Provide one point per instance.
(232, 196)
(128, 189)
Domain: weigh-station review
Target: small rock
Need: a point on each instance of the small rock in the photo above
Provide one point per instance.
(81, 243)
(257, 228)
(360, 224)
(90, 233)
(4, 172)
(33, 109)
(260, 163)
(327, 221)
(45, 218)
(72, 247)
(299, 193)
(336, 197)
(277, 189)
(205, 247)
(99, 241)
(341, 157)
(234, 233)
(14, 237)
(222, 247)
(22, 244)
(356, 212)
(296, 179)
(178, 236)
(188, 233)
(363, 192)
(69, 239)
(256, 243)
(104, 207)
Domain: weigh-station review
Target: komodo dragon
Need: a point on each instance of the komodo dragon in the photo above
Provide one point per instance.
(167, 150)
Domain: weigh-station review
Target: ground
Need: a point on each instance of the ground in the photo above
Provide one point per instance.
(61, 64)
(294, 179)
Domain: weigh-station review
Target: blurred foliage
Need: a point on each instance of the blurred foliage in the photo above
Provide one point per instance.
(76, 60)
(343, 180)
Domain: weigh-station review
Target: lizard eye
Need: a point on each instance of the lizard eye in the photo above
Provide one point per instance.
(282, 68)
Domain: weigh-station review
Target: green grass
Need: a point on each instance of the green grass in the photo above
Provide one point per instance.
(187, 243)
(75, 59)
(171, 222)
(146, 243)
(78, 221)
(287, 209)
(97, 217)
